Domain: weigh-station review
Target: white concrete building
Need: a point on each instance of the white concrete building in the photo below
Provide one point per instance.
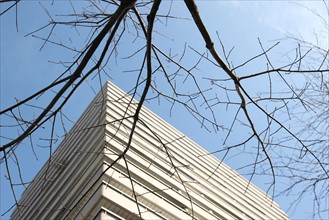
(77, 182)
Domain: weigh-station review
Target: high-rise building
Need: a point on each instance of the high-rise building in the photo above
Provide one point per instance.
(161, 176)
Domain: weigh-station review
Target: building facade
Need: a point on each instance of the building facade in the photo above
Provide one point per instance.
(161, 176)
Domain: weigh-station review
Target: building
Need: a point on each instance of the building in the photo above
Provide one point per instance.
(81, 180)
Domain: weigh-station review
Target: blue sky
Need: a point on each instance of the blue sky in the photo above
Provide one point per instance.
(25, 69)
